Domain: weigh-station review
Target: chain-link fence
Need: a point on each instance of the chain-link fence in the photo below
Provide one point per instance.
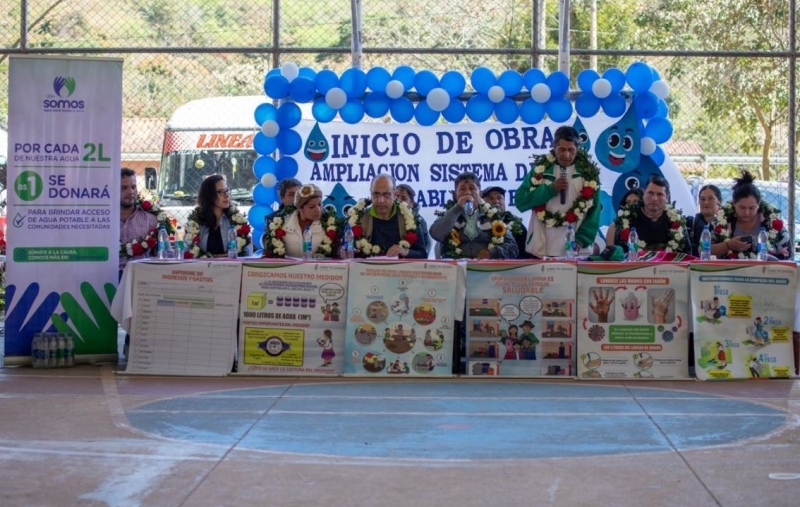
(730, 64)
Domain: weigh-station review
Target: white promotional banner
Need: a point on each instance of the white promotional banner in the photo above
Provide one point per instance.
(521, 318)
(633, 320)
(291, 318)
(743, 319)
(65, 118)
(400, 318)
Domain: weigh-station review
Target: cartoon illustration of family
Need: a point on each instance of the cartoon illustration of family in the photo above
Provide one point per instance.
(331, 312)
(521, 347)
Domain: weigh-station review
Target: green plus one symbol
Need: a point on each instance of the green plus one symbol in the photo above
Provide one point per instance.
(28, 185)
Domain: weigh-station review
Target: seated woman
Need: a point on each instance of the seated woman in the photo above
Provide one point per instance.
(284, 233)
(631, 196)
(212, 218)
(739, 222)
(710, 200)
(404, 193)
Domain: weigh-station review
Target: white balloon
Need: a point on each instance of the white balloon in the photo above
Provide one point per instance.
(540, 93)
(601, 88)
(270, 128)
(336, 98)
(660, 89)
(438, 99)
(648, 146)
(290, 70)
(496, 94)
(395, 89)
(269, 180)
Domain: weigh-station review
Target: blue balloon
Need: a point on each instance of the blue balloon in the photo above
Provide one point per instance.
(264, 145)
(660, 129)
(479, 108)
(302, 90)
(257, 235)
(453, 83)
(586, 79)
(424, 115)
(264, 164)
(258, 213)
(322, 111)
(352, 112)
(646, 105)
(558, 83)
(533, 77)
(405, 75)
(587, 105)
(531, 111)
(378, 78)
(263, 195)
(273, 72)
(376, 104)
(325, 80)
(276, 87)
(482, 79)
(286, 167)
(663, 109)
(510, 81)
(264, 112)
(614, 105)
(354, 82)
(616, 77)
(402, 110)
(307, 72)
(639, 76)
(289, 142)
(559, 109)
(289, 115)
(454, 112)
(658, 156)
(425, 81)
(506, 111)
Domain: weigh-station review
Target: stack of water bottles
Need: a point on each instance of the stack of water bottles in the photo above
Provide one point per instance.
(570, 245)
(633, 245)
(52, 350)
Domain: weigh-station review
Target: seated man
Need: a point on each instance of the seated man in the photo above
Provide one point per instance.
(471, 228)
(385, 227)
(496, 196)
(659, 225)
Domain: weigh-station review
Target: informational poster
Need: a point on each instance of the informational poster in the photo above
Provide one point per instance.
(292, 318)
(521, 318)
(400, 318)
(184, 317)
(743, 319)
(65, 121)
(633, 320)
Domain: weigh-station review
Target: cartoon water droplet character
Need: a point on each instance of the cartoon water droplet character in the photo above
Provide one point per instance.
(630, 307)
(618, 148)
(636, 178)
(585, 143)
(339, 200)
(316, 149)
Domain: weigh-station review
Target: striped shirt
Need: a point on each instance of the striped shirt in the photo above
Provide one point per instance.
(137, 226)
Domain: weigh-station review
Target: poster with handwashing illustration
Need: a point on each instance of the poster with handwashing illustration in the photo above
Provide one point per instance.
(633, 320)
(521, 318)
(743, 319)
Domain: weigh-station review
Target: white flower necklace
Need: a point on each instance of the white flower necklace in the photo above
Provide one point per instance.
(677, 224)
(362, 245)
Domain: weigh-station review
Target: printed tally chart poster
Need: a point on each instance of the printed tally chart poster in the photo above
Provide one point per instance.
(400, 318)
(521, 318)
(292, 318)
(743, 319)
(633, 320)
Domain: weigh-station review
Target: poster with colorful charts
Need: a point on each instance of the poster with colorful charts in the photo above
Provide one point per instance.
(292, 318)
(521, 318)
(743, 319)
(633, 320)
(400, 318)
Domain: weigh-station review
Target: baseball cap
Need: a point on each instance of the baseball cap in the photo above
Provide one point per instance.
(493, 189)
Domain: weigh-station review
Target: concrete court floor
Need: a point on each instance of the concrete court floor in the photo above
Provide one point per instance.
(90, 436)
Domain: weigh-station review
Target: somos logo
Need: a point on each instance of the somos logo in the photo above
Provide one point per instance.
(63, 87)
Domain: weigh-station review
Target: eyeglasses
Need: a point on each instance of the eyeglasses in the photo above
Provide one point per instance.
(224, 191)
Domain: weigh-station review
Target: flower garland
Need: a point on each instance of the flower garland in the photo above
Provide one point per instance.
(771, 221)
(150, 240)
(240, 225)
(590, 173)
(497, 225)
(513, 222)
(362, 246)
(274, 245)
(677, 225)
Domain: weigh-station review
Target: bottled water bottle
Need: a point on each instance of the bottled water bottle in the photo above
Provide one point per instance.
(233, 247)
(163, 243)
(763, 248)
(705, 244)
(61, 351)
(70, 359)
(570, 245)
(633, 245)
(349, 242)
(37, 352)
(52, 350)
(469, 208)
(307, 253)
(179, 244)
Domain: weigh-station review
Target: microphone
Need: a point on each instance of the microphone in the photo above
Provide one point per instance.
(563, 192)
(469, 208)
